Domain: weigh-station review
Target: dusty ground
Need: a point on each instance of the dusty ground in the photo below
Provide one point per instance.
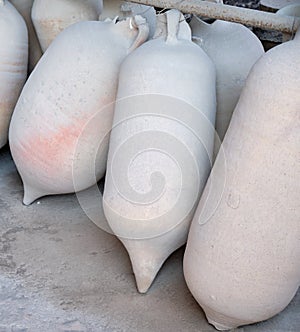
(59, 272)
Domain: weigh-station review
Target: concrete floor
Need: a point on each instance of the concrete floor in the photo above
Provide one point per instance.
(60, 272)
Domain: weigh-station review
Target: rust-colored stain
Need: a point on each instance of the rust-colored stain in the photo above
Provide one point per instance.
(50, 153)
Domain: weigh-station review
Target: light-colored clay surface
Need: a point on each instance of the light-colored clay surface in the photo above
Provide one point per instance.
(52, 17)
(35, 52)
(160, 146)
(234, 49)
(277, 4)
(59, 272)
(60, 127)
(291, 10)
(123, 9)
(242, 261)
(13, 63)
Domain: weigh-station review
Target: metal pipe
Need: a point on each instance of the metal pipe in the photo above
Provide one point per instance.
(250, 17)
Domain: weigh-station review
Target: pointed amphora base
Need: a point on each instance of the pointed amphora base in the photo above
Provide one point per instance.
(31, 194)
(220, 321)
(148, 255)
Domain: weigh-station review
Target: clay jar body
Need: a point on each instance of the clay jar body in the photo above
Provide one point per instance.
(233, 49)
(35, 52)
(59, 130)
(242, 257)
(290, 10)
(13, 63)
(160, 146)
(273, 5)
(52, 17)
(123, 9)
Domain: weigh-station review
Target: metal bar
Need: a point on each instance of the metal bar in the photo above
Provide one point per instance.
(250, 17)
